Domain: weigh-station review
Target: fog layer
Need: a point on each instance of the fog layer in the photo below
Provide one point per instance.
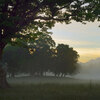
(89, 70)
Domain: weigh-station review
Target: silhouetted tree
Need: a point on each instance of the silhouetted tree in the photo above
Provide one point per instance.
(65, 60)
(61, 61)
(41, 54)
(14, 57)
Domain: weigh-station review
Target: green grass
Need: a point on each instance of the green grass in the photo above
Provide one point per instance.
(51, 92)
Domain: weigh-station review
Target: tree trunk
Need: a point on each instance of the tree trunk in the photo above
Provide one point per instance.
(3, 81)
(45, 73)
(41, 74)
(13, 75)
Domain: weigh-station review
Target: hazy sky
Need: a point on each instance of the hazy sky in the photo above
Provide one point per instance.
(83, 38)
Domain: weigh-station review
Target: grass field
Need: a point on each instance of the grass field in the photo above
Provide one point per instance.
(38, 80)
(51, 91)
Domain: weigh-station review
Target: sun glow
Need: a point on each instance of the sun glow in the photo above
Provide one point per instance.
(87, 54)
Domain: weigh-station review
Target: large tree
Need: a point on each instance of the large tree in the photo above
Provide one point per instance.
(21, 18)
(65, 60)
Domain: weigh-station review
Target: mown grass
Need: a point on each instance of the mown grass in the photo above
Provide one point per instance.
(51, 92)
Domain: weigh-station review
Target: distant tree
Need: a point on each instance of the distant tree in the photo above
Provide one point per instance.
(65, 60)
(31, 59)
(13, 56)
(21, 18)
(41, 54)
(61, 61)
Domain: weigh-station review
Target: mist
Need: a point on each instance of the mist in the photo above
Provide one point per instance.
(89, 70)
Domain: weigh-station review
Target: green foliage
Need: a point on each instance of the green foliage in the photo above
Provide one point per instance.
(38, 61)
(30, 59)
(65, 60)
(41, 58)
(13, 56)
(28, 19)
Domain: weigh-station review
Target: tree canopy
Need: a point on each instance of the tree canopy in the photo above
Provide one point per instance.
(25, 19)
(62, 62)
(65, 60)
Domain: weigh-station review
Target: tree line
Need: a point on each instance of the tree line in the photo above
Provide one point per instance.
(40, 57)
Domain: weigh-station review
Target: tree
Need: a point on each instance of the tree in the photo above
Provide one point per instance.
(14, 57)
(65, 60)
(41, 56)
(21, 18)
(34, 58)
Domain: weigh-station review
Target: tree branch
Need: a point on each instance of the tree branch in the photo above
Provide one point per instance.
(32, 12)
(51, 18)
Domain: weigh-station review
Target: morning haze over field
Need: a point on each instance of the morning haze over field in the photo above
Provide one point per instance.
(85, 39)
(38, 65)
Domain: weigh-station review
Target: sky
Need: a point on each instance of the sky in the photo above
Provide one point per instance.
(85, 39)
